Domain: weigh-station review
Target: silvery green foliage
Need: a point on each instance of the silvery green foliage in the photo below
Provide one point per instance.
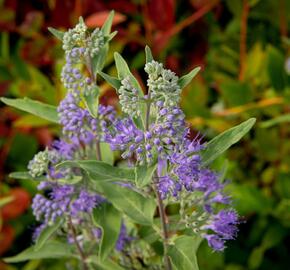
(80, 37)
(39, 164)
(129, 99)
(163, 83)
(99, 210)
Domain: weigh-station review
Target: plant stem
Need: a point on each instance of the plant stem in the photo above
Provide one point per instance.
(93, 79)
(148, 112)
(164, 223)
(161, 208)
(79, 248)
(98, 150)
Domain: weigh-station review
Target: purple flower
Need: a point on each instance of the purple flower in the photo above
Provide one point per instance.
(79, 125)
(37, 231)
(75, 120)
(215, 242)
(64, 200)
(224, 224)
(161, 137)
(184, 171)
(168, 186)
(65, 149)
(123, 239)
(221, 227)
(84, 203)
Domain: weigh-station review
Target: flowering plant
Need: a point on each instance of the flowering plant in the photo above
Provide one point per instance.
(148, 209)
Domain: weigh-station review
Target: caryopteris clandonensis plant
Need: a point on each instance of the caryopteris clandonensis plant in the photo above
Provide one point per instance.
(108, 212)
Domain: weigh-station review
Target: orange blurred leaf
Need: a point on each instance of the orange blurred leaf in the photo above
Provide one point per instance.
(97, 19)
(21, 201)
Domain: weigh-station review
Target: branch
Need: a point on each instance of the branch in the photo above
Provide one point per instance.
(243, 39)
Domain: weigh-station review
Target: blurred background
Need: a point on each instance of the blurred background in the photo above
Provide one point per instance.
(243, 49)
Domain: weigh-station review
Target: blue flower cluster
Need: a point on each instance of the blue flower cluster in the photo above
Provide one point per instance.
(198, 188)
(181, 174)
(63, 201)
(166, 124)
(78, 124)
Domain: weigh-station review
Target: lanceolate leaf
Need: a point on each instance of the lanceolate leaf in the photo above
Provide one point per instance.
(103, 265)
(133, 204)
(101, 171)
(47, 233)
(114, 82)
(109, 219)
(37, 108)
(183, 253)
(148, 54)
(92, 101)
(144, 175)
(275, 121)
(186, 79)
(99, 60)
(20, 175)
(25, 176)
(106, 28)
(106, 153)
(58, 34)
(52, 249)
(222, 142)
(124, 71)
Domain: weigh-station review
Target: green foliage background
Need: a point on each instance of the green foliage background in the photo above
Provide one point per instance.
(243, 49)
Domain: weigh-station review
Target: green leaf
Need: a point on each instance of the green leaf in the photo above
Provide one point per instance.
(92, 101)
(236, 93)
(34, 107)
(111, 36)
(47, 233)
(225, 140)
(6, 200)
(29, 120)
(106, 28)
(252, 3)
(101, 171)
(109, 219)
(251, 198)
(106, 153)
(183, 253)
(124, 71)
(20, 175)
(103, 265)
(275, 68)
(114, 82)
(58, 34)
(186, 79)
(275, 121)
(70, 181)
(148, 54)
(133, 204)
(52, 249)
(144, 174)
(25, 176)
(98, 62)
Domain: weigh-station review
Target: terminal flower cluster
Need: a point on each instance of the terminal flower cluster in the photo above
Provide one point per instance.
(80, 132)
